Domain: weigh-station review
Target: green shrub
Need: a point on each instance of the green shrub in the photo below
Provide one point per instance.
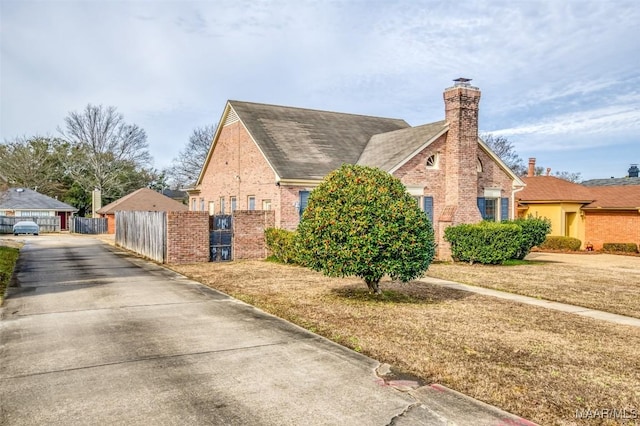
(361, 221)
(534, 232)
(485, 242)
(281, 243)
(561, 243)
(620, 247)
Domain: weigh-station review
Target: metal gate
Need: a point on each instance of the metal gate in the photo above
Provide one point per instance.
(220, 238)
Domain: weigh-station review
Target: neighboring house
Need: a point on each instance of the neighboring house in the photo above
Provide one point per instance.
(593, 214)
(631, 179)
(270, 157)
(143, 199)
(24, 202)
(176, 194)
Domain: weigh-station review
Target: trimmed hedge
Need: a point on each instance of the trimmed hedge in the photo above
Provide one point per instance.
(281, 243)
(534, 232)
(561, 243)
(485, 242)
(620, 247)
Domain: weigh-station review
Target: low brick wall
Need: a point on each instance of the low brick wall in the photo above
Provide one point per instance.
(248, 233)
(187, 237)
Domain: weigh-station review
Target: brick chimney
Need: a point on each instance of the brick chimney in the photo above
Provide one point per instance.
(532, 167)
(461, 113)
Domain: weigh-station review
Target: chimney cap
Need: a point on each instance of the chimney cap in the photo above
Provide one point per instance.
(463, 82)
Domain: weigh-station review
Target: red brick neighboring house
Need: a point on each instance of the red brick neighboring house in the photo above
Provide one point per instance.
(143, 199)
(270, 157)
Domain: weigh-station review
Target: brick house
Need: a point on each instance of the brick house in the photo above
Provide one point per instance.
(595, 214)
(267, 157)
(143, 199)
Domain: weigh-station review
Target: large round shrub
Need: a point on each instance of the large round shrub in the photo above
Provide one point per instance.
(361, 221)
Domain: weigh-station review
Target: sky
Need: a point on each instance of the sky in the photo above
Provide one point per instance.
(560, 79)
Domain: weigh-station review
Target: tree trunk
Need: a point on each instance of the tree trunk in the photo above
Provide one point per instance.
(374, 286)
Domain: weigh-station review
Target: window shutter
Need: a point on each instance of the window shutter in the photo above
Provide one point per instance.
(504, 209)
(482, 208)
(304, 199)
(428, 207)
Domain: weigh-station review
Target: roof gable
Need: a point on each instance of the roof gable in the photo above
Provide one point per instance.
(390, 150)
(143, 199)
(28, 199)
(302, 143)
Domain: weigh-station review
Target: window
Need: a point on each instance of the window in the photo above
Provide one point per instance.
(251, 202)
(222, 205)
(432, 161)
(266, 204)
(479, 165)
(493, 209)
(201, 204)
(212, 208)
(193, 204)
(234, 204)
(34, 213)
(427, 207)
(302, 204)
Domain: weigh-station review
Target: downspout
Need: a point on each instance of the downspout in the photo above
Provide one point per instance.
(513, 201)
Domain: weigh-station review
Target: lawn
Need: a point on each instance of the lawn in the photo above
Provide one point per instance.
(600, 281)
(537, 363)
(8, 259)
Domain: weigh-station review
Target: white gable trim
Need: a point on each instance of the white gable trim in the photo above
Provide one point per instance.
(229, 116)
(417, 151)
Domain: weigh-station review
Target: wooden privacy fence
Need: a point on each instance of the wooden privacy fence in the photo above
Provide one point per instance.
(46, 223)
(143, 232)
(88, 225)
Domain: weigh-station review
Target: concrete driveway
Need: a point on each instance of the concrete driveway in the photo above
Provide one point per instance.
(91, 335)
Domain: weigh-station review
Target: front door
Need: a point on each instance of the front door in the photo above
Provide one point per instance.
(63, 220)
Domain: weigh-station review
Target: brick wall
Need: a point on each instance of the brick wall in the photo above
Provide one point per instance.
(611, 227)
(248, 233)
(238, 169)
(111, 223)
(187, 237)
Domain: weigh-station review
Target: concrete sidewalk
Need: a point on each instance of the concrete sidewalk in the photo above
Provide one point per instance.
(92, 335)
(563, 307)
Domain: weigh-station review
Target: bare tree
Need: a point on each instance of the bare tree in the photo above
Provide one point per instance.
(36, 162)
(574, 177)
(186, 167)
(504, 149)
(106, 152)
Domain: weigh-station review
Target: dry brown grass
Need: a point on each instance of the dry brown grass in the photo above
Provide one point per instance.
(600, 281)
(537, 363)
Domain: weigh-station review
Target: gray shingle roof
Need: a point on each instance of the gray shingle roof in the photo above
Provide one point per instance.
(308, 144)
(387, 150)
(612, 181)
(28, 199)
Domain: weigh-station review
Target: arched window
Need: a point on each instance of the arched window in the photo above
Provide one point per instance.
(432, 161)
(478, 165)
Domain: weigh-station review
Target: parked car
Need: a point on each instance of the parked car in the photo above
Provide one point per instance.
(26, 227)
